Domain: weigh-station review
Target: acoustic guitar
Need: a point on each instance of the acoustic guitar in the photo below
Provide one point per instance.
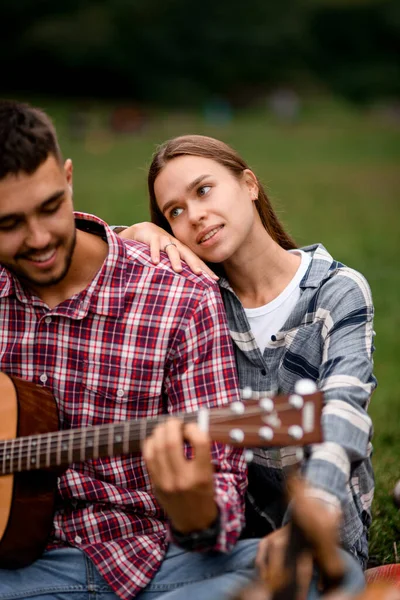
(34, 452)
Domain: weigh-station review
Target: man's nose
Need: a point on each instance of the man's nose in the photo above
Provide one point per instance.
(38, 236)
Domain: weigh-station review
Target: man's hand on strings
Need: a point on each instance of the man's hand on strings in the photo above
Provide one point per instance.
(183, 486)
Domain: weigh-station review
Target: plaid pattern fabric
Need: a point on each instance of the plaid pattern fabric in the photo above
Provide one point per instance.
(328, 337)
(138, 341)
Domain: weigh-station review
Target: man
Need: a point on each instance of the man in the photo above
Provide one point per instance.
(113, 337)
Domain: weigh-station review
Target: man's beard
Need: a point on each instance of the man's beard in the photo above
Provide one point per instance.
(32, 282)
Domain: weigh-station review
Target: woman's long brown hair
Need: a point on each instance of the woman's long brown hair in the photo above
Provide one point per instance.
(207, 147)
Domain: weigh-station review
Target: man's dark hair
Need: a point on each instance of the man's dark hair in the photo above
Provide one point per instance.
(27, 138)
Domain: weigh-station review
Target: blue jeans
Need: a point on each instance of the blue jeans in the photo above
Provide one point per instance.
(67, 574)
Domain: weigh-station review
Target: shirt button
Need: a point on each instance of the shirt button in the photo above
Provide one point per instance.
(77, 539)
(47, 320)
(273, 338)
(120, 393)
(263, 372)
(43, 378)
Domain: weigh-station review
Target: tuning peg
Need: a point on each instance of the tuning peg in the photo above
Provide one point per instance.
(248, 455)
(267, 405)
(296, 401)
(266, 433)
(236, 435)
(247, 393)
(238, 408)
(305, 386)
(296, 432)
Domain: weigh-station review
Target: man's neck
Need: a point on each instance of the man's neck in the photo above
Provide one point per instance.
(89, 254)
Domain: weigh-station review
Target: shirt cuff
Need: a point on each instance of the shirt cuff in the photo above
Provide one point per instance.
(204, 539)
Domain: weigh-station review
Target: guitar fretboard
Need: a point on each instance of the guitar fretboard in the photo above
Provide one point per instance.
(61, 448)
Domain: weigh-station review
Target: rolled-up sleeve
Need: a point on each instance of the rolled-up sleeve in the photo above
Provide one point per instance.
(347, 380)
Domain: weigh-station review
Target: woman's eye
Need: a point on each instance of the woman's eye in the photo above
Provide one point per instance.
(203, 190)
(175, 212)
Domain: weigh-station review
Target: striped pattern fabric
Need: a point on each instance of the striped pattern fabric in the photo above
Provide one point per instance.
(141, 340)
(328, 338)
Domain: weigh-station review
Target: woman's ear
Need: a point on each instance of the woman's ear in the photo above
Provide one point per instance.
(251, 183)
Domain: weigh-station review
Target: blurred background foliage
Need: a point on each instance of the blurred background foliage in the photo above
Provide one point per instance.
(182, 51)
(308, 91)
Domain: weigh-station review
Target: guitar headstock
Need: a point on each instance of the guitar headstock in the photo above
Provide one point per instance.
(265, 420)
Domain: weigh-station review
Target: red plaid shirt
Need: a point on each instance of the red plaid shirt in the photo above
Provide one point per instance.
(139, 337)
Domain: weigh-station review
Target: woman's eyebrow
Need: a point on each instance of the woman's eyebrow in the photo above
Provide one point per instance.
(188, 189)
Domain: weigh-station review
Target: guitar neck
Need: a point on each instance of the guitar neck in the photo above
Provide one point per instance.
(61, 448)
(279, 421)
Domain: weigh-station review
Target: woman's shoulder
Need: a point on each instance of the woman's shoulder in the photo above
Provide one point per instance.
(337, 283)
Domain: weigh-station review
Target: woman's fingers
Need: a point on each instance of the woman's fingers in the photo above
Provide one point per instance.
(195, 263)
(160, 241)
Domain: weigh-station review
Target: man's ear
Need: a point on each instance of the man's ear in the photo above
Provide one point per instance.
(251, 183)
(68, 169)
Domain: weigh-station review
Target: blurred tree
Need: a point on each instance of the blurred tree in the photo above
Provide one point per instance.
(175, 51)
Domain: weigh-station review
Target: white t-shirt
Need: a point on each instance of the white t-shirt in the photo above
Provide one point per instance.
(268, 319)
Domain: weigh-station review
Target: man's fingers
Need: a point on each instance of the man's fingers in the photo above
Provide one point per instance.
(196, 264)
(200, 442)
(163, 454)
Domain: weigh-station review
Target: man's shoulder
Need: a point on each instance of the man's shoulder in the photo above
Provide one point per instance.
(138, 258)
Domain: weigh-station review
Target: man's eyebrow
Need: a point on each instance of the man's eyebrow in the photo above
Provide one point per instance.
(49, 200)
(189, 188)
(53, 197)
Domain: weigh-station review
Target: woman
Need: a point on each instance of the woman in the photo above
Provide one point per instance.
(292, 312)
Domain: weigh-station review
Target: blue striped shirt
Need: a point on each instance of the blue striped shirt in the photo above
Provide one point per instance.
(328, 337)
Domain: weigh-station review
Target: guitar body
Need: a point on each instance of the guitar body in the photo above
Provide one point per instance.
(27, 498)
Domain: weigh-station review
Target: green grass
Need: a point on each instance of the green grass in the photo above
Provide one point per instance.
(334, 178)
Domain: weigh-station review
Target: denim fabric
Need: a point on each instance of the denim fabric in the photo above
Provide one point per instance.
(67, 574)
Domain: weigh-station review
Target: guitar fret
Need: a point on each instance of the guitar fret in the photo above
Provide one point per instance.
(12, 454)
(21, 445)
(3, 467)
(28, 454)
(110, 440)
(9, 458)
(37, 458)
(48, 455)
(143, 430)
(96, 435)
(71, 446)
(82, 453)
(58, 450)
(126, 429)
(90, 444)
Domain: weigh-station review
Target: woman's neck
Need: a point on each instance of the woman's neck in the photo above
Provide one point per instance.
(260, 270)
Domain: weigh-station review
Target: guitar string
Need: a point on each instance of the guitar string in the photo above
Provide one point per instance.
(79, 434)
(135, 426)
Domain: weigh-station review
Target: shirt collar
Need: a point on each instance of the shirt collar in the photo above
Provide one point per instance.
(320, 266)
